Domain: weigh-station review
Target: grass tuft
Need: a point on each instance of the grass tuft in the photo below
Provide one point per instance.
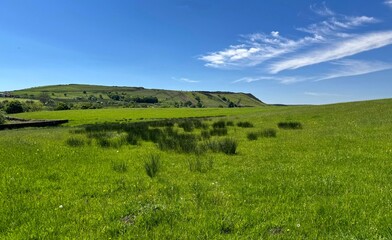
(75, 142)
(252, 136)
(120, 167)
(152, 165)
(245, 124)
(290, 125)
(269, 132)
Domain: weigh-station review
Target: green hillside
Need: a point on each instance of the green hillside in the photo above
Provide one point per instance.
(105, 96)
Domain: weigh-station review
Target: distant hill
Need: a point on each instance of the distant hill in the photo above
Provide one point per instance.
(93, 96)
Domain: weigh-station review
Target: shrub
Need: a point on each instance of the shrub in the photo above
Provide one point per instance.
(269, 132)
(14, 107)
(62, 106)
(152, 165)
(290, 125)
(252, 136)
(245, 124)
(75, 142)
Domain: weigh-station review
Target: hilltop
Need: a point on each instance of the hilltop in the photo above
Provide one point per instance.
(94, 96)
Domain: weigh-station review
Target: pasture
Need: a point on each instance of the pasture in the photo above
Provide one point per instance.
(305, 172)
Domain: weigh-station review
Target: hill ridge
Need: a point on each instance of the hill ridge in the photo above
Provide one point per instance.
(106, 96)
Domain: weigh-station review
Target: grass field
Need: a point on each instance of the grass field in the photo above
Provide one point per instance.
(78, 117)
(329, 179)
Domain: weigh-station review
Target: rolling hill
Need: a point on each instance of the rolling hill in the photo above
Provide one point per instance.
(111, 96)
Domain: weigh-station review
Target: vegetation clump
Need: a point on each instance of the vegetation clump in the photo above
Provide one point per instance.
(290, 125)
(200, 164)
(75, 142)
(120, 167)
(253, 136)
(225, 145)
(268, 133)
(14, 107)
(245, 124)
(219, 124)
(152, 165)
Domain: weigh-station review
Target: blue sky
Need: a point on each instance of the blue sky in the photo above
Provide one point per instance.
(282, 51)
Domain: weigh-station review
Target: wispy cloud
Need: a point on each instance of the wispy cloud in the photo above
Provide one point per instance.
(388, 3)
(182, 79)
(321, 94)
(322, 10)
(280, 79)
(348, 68)
(257, 48)
(339, 50)
(341, 68)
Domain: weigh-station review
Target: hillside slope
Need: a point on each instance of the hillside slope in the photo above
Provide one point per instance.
(137, 96)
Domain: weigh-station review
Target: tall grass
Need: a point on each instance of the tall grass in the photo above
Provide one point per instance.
(152, 165)
(290, 125)
(75, 142)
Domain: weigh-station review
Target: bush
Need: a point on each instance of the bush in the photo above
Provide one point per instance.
(290, 125)
(245, 124)
(62, 106)
(152, 165)
(14, 107)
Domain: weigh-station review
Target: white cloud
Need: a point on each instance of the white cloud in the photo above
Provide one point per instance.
(182, 79)
(388, 3)
(346, 68)
(321, 94)
(275, 33)
(322, 11)
(280, 79)
(350, 67)
(336, 24)
(337, 51)
(258, 48)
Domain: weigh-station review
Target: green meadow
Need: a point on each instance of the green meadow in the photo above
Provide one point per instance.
(299, 172)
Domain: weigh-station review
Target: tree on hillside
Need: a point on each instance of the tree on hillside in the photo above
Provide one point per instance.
(44, 97)
(14, 107)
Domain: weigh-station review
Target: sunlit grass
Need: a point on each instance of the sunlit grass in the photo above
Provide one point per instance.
(331, 179)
